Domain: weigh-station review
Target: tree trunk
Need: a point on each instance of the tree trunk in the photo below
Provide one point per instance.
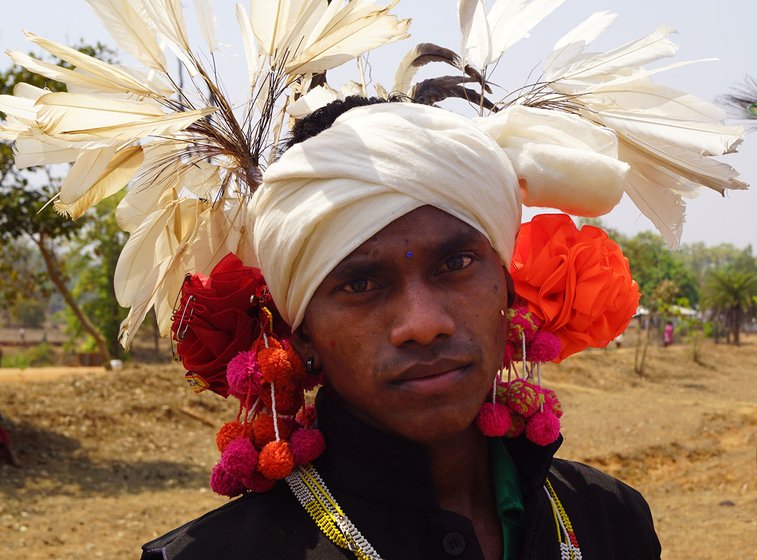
(53, 269)
(642, 345)
(738, 319)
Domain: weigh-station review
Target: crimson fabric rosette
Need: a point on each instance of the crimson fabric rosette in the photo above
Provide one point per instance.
(576, 281)
(217, 317)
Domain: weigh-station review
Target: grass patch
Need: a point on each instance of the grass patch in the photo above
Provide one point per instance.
(40, 355)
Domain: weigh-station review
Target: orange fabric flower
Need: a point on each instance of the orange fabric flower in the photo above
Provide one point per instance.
(576, 281)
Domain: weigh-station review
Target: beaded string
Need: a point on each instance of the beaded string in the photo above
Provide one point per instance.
(314, 496)
(569, 549)
(316, 499)
(273, 385)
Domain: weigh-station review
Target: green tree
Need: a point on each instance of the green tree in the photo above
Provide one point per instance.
(23, 282)
(730, 293)
(652, 263)
(93, 264)
(25, 213)
(700, 259)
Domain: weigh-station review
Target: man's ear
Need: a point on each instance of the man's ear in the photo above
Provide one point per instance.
(303, 345)
(510, 287)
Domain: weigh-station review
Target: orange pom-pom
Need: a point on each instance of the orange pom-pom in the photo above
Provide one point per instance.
(228, 432)
(299, 373)
(275, 366)
(276, 461)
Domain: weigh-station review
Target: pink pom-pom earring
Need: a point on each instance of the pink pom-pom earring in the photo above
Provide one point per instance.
(274, 432)
(520, 404)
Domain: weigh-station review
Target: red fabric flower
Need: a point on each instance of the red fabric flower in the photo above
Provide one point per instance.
(576, 281)
(216, 319)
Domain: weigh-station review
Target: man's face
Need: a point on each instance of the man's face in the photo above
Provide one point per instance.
(408, 328)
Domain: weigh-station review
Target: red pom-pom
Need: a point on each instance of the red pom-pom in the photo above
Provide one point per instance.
(224, 483)
(493, 420)
(239, 458)
(228, 432)
(289, 399)
(243, 375)
(310, 381)
(306, 445)
(522, 397)
(545, 347)
(307, 416)
(275, 460)
(258, 483)
(509, 355)
(264, 432)
(543, 428)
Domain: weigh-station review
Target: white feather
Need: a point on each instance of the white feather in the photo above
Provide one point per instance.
(648, 49)
(573, 43)
(361, 29)
(130, 30)
(587, 31)
(30, 151)
(12, 129)
(168, 19)
(207, 20)
(68, 112)
(23, 109)
(314, 99)
(269, 19)
(512, 20)
(139, 255)
(143, 302)
(150, 191)
(109, 76)
(476, 44)
(85, 117)
(249, 42)
(96, 175)
(69, 77)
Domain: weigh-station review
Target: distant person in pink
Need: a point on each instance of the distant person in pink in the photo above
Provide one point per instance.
(667, 336)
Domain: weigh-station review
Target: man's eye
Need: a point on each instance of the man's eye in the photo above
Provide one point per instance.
(359, 286)
(456, 262)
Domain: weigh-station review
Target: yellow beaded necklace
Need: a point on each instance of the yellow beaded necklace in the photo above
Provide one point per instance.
(316, 499)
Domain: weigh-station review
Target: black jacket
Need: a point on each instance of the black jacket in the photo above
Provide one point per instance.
(384, 486)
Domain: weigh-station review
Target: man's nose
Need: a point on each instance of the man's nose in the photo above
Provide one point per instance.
(421, 314)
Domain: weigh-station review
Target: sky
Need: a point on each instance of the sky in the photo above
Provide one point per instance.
(724, 30)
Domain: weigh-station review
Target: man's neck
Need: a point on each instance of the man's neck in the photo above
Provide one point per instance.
(461, 470)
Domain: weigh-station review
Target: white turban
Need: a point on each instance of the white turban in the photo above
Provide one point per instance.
(329, 194)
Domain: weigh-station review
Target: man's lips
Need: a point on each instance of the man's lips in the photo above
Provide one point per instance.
(432, 377)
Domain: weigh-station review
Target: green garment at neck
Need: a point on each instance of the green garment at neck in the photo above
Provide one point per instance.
(510, 508)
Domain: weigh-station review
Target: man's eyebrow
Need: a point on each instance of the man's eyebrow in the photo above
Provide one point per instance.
(458, 241)
(360, 265)
(357, 266)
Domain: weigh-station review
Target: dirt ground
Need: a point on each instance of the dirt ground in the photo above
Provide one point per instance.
(110, 460)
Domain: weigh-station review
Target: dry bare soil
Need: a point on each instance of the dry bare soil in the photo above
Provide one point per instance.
(110, 460)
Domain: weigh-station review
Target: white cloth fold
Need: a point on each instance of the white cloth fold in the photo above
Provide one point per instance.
(563, 160)
(329, 194)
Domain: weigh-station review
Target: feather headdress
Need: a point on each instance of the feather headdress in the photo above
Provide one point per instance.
(193, 157)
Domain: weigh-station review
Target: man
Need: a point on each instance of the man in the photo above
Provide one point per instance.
(385, 240)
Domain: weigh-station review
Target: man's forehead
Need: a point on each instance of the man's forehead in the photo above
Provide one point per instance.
(426, 229)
